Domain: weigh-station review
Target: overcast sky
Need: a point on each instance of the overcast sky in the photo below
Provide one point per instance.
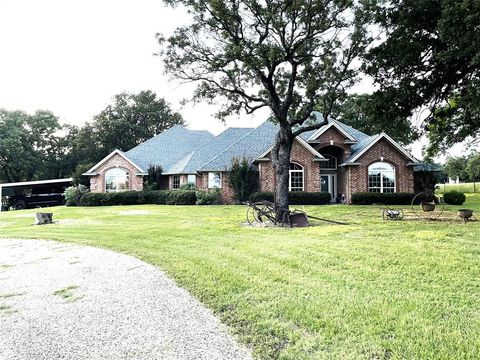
(71, 57)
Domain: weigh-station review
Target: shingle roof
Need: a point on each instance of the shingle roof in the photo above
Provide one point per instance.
(354, 133)
(210, 150)
(250, 146)
(167, 148)
(182, 151)
(358, 147)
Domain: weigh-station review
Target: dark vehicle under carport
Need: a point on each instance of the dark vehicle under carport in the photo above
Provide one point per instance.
(33, 194)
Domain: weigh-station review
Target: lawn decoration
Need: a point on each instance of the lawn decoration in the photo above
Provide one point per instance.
(263, 212)
(43, 218)
(427, 206)
(466, 215)
(389, 213)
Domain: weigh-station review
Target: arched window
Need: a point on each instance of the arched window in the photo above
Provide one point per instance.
(116, 180)
(331, 164)
(381, 178)
(296, 177)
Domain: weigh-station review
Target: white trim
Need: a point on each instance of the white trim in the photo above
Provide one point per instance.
(208, 179)
(381, 176)
(328, 157)
(332, 185)
(106, 158)
(296, 171)
(324, 128)
(116, 189)
(377, 139)
(173, 181)
(301, 141)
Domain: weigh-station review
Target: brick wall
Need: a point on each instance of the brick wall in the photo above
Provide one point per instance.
(97, 183)
(333, 137)
(357, 176)
(301, 156)
(226, 192)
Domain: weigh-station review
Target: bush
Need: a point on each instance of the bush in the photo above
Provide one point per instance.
(94, 199)
(182, 197)
(73, 194)
(309, 198)
(454, 197)
(297, 198)
(124, 198)
(242, 178)
(261, 196)
(208, 197)
(161, 197)
(158, 197)
(369, 198)
(188, 186)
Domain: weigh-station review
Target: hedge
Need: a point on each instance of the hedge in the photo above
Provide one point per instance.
(159, 197)
(298, 198)
(454, 197)
(182, 197)
(369, 198)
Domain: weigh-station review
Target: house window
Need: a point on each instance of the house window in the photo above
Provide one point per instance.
(214, 180)
(176, 182)
(381, 178)
(331, 164)
(116, 180)
(296, 177)
(191, 179)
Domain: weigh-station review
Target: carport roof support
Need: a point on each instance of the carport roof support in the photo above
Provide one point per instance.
(38, 182)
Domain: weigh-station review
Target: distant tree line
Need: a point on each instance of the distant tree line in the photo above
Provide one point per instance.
(38, 146)
(465, 168)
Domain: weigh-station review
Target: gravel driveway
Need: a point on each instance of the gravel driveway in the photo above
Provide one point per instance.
(61, 301)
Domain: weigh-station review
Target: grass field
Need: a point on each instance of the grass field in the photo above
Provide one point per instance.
(370, 290)
(463, 187)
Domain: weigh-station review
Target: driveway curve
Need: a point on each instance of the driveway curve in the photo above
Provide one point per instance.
(62, 301)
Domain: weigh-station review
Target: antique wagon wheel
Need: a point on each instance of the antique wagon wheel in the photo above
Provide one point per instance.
(260, 212)
(435, 207)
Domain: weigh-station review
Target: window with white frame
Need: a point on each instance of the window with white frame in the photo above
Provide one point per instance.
(381, 178)
(331, 164)
(191, 179)
(176, 182)
(117, 180)
(214, 180)
(296, 182)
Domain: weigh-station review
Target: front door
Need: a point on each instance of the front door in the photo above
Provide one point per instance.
(328, 183)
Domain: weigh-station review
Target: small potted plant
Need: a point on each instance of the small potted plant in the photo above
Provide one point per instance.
(428, 206)
(465, 214)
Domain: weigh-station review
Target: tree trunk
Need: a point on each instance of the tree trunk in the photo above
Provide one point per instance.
(281, 164)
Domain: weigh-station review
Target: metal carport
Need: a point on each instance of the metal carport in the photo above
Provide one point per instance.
(7, 189)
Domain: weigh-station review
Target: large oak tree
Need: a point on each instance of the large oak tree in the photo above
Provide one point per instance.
(287, 56)
(429, 60)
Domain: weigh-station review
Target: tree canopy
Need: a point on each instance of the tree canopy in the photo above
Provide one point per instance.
(132, 119)
(455, 167)
(429, 59)
(358, 111)
(38, 147)
(28, 144)
(288, 56)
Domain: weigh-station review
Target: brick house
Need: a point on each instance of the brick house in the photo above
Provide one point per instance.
(335, 158)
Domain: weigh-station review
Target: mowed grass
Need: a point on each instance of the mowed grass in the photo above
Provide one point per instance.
(371, 290)
(463, 187)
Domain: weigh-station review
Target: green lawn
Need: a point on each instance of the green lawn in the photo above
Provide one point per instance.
(463, 187)
(370, 290)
